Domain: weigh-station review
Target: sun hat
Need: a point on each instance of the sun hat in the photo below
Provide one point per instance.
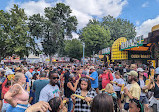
(140, 70)
(133, 73)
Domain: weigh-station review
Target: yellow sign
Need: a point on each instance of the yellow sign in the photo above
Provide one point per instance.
(116, 53)
(154, 28)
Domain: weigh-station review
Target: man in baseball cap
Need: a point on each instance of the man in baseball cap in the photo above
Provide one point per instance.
(132, 91)
(93, 78)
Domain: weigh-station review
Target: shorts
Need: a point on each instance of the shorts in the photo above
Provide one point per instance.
(5, 107)
(118, 94)
(18, 108)
(144, 100)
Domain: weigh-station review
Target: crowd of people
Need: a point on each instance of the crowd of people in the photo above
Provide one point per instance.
(73, 87)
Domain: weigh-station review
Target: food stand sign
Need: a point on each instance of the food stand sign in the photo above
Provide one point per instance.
(106, 51)
(139, 55)
(135, 42)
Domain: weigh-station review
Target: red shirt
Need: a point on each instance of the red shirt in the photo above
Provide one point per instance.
(4, 90)
(106, 78)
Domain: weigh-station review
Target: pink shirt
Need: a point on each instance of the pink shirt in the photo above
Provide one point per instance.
(106, 78)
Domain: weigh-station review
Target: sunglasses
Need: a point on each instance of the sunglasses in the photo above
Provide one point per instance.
(55, 78)
(84, 79)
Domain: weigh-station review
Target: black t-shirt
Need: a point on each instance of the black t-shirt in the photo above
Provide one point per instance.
(66, 75)
(156, 91)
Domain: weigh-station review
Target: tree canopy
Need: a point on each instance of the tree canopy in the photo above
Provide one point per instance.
(95, 37)
(52, 29)
(119, 27)
(14, 33)
(73, 48)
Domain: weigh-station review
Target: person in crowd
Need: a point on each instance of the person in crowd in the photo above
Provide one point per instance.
(154, 86)
(4, 90)
(110, 91)
(51, 90)
(93, 78)
(2, 79)
(36, 71)
(135, 106)
(102, 103)
(71, 88)
(57, 105)
(86, 91)
(28, 74)
(142, 84)
(106, 77)
(134, 90)
(66, 79)
(31, 69)
(20, 70)
(17, 97)
(100, 72)
(117, 84)
(39, 107)
(133, 67)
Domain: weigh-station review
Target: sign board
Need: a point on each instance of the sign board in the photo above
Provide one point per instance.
(139, 55)
(106, 50)
(135, 42)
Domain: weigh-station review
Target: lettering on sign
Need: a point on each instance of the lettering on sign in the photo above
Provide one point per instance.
(140, 56)
(106, 50)
(137, 41)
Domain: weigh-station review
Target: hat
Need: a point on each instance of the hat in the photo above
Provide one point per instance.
(25, 68)
(110, 69)
(140, 70)
(18, 68)
(71, 75)
(1, 69)
(32, 66)
(133, 66)
(133, 73)
(9, 72)
(92, 67)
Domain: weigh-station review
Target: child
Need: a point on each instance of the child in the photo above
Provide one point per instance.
(110, 91)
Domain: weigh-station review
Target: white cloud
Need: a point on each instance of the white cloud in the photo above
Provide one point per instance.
(10, 4)
(75, 35)
(137, 23)
(98, 7)
(146, 26)
(145, 4)
(33, 7)
(81, 17)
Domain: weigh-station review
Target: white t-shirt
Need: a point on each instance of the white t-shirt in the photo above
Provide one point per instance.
(119, 81)
(49, 92)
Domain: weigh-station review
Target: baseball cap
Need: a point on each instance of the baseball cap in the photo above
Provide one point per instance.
(92, 67)
(140, 70)
(110, 69)
(133, 73)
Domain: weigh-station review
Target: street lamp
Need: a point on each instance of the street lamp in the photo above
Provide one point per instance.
(83, 51)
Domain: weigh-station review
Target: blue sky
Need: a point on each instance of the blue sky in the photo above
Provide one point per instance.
(143, 13)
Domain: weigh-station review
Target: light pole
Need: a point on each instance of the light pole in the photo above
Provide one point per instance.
(83, 51)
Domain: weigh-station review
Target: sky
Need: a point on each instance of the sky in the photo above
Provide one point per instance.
(142, 13)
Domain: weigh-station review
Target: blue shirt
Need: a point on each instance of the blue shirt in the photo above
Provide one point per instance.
(94, 84)
(35, 72)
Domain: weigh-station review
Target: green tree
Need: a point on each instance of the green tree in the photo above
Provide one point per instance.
(57, 25)
(96, 37)
(73, 48)
(14, 32)
(118, 27)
